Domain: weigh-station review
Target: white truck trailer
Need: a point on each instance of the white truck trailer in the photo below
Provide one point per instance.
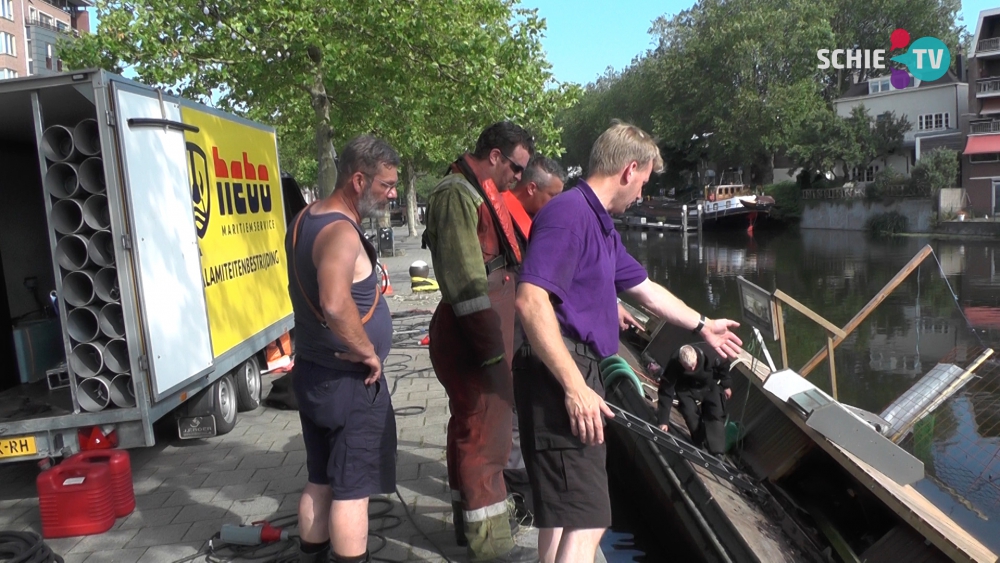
(142, 253)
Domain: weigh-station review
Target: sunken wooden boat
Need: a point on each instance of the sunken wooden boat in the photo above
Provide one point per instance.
(819, 499)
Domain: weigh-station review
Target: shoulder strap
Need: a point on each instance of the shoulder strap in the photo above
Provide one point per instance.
(295, 270)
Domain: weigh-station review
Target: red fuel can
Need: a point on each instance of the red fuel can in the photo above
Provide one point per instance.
(118, 462)
(75, 500)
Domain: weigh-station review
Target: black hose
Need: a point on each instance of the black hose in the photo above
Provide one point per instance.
(25, 547)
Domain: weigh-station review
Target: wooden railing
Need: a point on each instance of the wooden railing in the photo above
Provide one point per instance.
(991, 44)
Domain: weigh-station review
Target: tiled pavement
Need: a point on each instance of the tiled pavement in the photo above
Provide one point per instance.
(186, 490)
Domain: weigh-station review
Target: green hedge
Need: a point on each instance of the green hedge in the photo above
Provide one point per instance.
(887, 224)
(787, 200)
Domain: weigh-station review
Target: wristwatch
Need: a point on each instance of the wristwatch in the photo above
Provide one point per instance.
(701, 325)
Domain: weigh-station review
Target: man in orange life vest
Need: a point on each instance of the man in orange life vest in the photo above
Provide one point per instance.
(476, 251)
(541, 181)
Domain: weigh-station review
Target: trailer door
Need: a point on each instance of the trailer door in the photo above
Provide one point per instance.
(170, 290)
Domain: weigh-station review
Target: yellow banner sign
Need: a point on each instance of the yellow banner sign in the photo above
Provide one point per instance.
(236, 193)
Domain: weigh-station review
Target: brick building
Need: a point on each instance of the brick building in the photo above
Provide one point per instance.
(30, 31)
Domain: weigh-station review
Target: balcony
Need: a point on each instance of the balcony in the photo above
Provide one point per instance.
(988, 87)
(979, 127)
(51, 27)
(988, 47)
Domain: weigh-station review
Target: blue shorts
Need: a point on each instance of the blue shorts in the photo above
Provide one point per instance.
(349, 430)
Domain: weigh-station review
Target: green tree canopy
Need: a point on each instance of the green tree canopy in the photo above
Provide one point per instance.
(424, 75)
(733, 82)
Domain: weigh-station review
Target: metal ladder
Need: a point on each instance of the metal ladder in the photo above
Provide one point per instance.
(688, 451)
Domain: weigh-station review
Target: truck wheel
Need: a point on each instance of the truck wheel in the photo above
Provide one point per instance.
(224, 404)
(248, 384)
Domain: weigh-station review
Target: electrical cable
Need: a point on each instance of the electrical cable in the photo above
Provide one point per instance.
(398, 365)
(25, 547)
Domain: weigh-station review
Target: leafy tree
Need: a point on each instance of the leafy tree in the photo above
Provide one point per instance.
(867, 24)
(857, 143)
(937, 169)
(742, 70)
(818, 142)
(420, 74)
(887, 135)
(624, 95)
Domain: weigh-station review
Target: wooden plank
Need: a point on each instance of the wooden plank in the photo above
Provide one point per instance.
(905, 501)
(781, 335)
(833, 366)
(813, 315)
(867, 309)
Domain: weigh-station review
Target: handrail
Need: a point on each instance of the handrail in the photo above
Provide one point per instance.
(991, 44)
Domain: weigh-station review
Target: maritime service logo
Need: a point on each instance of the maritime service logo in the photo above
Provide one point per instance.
(927, 59)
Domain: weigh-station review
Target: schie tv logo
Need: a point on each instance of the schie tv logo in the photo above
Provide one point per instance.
(927, 59)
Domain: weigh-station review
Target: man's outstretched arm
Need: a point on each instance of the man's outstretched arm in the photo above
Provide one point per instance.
(716, 332)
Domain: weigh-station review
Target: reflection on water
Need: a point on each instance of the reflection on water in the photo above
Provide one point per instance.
(836, 273)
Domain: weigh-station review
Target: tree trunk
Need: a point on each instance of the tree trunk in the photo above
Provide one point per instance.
(410, 174)
(326, 154)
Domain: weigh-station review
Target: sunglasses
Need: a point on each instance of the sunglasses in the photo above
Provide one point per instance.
(517, 168)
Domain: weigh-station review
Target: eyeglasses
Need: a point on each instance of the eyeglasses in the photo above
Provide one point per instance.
(517, 168)
(387, 185)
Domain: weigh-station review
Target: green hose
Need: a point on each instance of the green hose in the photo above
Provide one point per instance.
(614, 368)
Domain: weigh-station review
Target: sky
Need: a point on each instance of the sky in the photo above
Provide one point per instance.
(585, 37)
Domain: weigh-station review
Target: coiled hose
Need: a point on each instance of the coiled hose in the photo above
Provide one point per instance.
(614, 368)
(25, 547)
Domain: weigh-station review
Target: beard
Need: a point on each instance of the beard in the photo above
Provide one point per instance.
(369, 205)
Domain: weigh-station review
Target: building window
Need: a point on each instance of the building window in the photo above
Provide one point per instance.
(881, 85)
(986, 157)
(866, 175)
(7, 9)
(45, 19)
(6, 73)
(8, 46)
(932, 121)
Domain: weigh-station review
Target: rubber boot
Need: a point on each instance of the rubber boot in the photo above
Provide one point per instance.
(366, 558)
(458, 519)
(490, 541)
(322, 556)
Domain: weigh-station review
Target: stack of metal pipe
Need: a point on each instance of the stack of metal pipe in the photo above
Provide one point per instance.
(95, 323)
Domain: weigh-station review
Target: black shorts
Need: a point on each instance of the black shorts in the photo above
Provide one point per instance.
(569, 481)
(349, 430)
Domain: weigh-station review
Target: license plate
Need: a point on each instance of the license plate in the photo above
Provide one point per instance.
(17, 447)
(196, 427)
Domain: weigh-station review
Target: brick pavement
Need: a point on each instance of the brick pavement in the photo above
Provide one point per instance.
(186, 490)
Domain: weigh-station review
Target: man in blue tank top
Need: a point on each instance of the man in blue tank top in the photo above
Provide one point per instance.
(343, 334)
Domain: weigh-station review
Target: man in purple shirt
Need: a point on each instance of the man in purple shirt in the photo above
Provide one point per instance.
(566, 299)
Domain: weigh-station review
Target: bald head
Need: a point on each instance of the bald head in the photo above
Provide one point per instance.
(542, 180)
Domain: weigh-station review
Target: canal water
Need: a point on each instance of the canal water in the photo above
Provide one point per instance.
(946, 311)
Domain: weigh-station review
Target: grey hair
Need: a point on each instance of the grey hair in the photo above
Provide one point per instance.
(688, 355)
(364, 154)
(538, 167)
